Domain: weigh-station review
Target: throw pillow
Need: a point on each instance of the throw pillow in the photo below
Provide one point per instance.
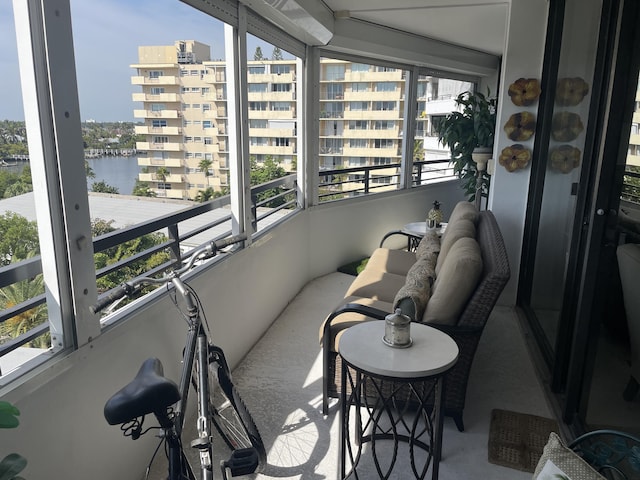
(455, 283)
(558, 461)
(417, 288)
(429, 244)
(460, 229)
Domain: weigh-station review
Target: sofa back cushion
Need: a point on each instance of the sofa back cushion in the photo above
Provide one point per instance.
(462, 210)
(456, 281)
(461, 228)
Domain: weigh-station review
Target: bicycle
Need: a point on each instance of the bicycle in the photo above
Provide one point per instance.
(150, 392)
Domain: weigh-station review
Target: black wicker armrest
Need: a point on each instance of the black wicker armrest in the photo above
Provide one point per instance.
(409, 236)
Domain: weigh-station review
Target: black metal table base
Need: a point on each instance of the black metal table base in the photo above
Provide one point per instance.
(389, 410)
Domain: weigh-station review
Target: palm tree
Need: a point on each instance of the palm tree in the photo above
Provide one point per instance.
(161, 174)
(418, 150)
(205, 165)
(205, 195)
(15, 294)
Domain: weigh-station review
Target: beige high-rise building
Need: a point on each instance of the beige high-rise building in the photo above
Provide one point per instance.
(184, 110)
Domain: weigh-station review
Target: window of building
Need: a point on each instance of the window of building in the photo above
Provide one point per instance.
(158, 123)
(383, 143)
(280, 106)
(360, 67)
(205, 90)
(384, 125)
(333, 72)
(257, 87)
(194, 72)
(258, 106)
(357, 161)
(196, 106)
(157, 90)
(385, 86)
(160, 139)
(158, 107)
(208, 140)
(282, 142)
(258, 123)
(358, 106)
(358, 143)
(256, 69)
(280, 87)
(358, 124)
(335, 91)
(155, 73)
(206, 107)
(206, 124)
(195, 89)
(197, 139)
(258, 141)
(359, 87)
(279, 69)
(386, 106)
(382, 161)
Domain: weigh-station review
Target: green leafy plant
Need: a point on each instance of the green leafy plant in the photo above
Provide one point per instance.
(465, 131)
(12, 464)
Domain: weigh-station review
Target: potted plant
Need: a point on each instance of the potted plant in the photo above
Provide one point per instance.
(468, 133)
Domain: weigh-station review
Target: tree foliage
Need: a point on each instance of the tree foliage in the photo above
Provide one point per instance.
(277, 54)
(141, 189)
(19, 238)
(103, 187)
(258, 54)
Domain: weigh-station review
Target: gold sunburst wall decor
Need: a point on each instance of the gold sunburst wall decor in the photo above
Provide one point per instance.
(515, 157)
(524, 91)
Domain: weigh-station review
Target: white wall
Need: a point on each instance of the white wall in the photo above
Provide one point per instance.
(524, 51)
(63, 433)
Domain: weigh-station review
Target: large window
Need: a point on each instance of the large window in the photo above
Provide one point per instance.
(363, 113)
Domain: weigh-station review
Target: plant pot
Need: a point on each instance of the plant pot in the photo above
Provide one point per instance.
(481, 156)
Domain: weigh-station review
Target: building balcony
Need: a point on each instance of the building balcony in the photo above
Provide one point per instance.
(373, 115)
(147, 130)
(271, 78)
(153, 177)
(271, 97)
(166, 146)
(156, 81)
(395, 76)
(161, 97)
(271, 150)
(217, 78)
(373, 96)
(159, 162)
(157, 114)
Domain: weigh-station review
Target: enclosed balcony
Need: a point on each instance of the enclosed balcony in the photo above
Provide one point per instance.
(556, 345)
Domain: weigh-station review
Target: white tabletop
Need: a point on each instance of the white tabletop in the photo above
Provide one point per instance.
(420, 228)
(431, 353)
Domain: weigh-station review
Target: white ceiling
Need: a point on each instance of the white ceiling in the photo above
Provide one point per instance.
(476, 24)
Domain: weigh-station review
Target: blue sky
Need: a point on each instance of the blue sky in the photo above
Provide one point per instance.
(106, 36)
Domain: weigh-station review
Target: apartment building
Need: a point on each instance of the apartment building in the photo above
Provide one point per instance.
(362, 107)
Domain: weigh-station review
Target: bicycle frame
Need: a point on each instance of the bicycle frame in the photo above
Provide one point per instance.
(196, 347)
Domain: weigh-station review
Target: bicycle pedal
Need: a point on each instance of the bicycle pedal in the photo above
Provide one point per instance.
(200, 443)
(243, 461)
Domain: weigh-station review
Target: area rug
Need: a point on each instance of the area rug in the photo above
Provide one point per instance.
(516, 439)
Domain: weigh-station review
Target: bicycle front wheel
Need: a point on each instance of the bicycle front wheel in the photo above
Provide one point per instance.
(229, 414)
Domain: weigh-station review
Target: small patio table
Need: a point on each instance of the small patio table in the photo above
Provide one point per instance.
(378, 390)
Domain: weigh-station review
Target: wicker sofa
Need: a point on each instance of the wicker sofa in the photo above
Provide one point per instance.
(375, 291)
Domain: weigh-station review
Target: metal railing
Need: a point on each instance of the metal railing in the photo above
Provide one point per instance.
(343, 183)
(631, 185)
(268, 200)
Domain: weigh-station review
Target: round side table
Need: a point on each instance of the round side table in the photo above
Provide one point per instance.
(384, 389)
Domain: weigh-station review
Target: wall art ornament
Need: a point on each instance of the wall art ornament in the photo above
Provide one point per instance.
(565, 158)
(524, 91)
(515, 157)
(520, 126)
(571, 91)
(566, 126)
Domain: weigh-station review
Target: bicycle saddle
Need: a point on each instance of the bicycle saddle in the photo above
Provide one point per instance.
(148, 392)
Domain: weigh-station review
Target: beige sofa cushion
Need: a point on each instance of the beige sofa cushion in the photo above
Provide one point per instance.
(349, 319)
(459, 229)
(376, 284)
(417, 288)
(391, 261)
(462, 210)
(455, 283)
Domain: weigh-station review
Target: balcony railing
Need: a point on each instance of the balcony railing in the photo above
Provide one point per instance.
(631, 185)
(342, 183)
(269, 200)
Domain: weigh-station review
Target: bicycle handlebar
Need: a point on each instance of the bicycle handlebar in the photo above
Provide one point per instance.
(211, 249)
